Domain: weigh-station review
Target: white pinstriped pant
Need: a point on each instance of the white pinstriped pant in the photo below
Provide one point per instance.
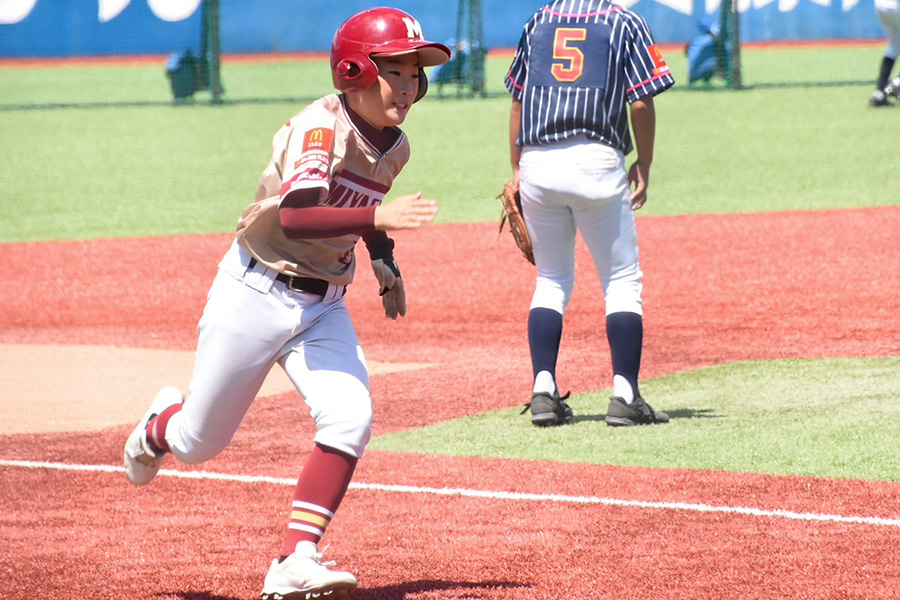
(888, 13)
(580, 186)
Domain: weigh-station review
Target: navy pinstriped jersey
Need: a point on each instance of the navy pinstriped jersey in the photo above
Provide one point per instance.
(577, 64)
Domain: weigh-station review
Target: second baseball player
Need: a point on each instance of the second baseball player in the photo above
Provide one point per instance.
(577, 66)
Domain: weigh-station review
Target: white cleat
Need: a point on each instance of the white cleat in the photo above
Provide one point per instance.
(303, 576)
(141, 462)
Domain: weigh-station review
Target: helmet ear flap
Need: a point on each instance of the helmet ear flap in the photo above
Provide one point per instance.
(423, 85)
(353, 75)
(348, 70)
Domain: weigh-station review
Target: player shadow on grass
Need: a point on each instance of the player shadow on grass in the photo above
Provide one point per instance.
(681, 413)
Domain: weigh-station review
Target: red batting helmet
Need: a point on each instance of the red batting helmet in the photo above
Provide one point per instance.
(379, 32)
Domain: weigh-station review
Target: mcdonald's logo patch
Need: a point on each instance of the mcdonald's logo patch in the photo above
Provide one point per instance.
(658, 61)
(318, 139)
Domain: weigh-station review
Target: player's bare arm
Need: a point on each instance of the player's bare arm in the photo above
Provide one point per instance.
(515, 153)
(405, 212)
(643, 125)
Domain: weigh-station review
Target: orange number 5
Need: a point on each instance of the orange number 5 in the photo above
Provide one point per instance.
(562, 50)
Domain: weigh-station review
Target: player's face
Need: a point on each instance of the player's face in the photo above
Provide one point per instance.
(387, 103)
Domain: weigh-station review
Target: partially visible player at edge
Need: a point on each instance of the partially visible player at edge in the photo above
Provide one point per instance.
(888, 13)
(279, 294)
(578, 64)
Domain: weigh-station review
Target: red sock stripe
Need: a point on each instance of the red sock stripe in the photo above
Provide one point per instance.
(156, 429)
(320, 489)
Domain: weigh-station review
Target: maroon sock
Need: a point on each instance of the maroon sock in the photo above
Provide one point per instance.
(156, 428)
(320, 489)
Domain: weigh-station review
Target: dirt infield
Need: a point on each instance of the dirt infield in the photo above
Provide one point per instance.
(91, 387)
(717, 290)
(99, 323)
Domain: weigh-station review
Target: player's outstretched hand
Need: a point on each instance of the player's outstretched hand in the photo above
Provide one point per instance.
(405, 212)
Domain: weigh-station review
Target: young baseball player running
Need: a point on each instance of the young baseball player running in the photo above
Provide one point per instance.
(279, 294)
(577, 65)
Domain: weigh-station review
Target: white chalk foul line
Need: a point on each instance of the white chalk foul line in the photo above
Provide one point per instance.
(491, 495)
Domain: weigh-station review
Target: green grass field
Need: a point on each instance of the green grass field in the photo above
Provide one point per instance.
(108, 170)
(824, 418)
(124, 161)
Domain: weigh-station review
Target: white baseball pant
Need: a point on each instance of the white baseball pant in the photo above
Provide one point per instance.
(582, 186)
(888, 12)
(251, 322)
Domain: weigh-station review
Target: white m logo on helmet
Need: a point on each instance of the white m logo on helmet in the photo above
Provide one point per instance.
(413, 29)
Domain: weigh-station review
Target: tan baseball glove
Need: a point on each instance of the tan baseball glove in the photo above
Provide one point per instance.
(512, 212)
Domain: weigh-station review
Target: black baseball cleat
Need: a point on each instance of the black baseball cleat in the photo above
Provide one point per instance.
(622, 414)
(547, 410)
(878, 99)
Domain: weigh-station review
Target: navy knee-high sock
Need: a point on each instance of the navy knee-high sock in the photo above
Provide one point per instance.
(887, 65)
(625, 332)
(544, 334)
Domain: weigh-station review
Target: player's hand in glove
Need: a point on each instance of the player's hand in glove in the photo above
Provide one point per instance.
(512, 214)
(392, 292)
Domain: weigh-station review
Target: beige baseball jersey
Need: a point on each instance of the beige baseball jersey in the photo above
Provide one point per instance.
(318, 148)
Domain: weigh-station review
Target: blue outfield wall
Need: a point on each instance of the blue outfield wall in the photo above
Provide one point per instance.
(51, 28)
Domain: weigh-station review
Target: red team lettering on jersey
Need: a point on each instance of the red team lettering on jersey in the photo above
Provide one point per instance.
(351, 190)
